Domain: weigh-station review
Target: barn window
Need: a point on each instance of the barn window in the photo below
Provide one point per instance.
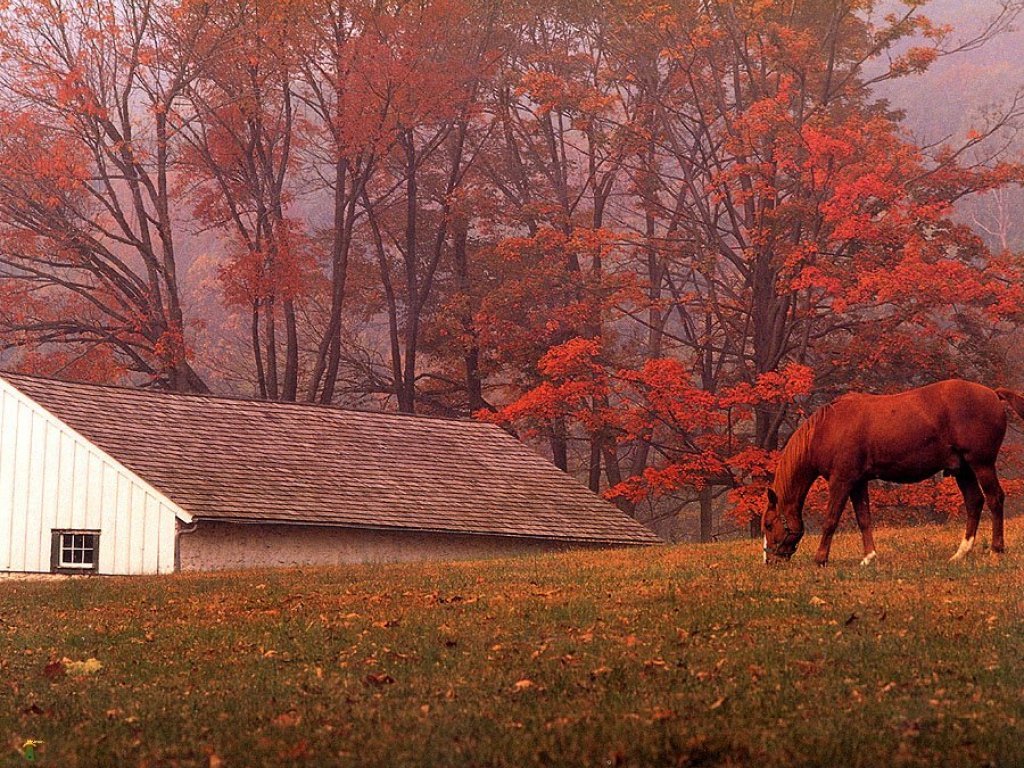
(75, 551)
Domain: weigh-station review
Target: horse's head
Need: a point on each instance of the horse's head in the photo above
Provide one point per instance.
(783, 527)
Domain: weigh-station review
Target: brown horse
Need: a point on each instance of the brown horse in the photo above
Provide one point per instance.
(954, 427)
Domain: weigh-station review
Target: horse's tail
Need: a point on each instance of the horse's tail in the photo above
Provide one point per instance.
(1013, 399)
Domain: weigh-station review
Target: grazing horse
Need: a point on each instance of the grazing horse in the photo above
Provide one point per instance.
(955, 427)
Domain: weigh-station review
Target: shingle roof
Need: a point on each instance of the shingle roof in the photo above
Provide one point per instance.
(243, 460)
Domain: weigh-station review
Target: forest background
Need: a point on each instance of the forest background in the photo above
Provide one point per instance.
(648, 237)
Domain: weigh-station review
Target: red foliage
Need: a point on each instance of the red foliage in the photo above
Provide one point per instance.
(701, 437)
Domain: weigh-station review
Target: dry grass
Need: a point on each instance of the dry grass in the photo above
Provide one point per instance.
(671, 656)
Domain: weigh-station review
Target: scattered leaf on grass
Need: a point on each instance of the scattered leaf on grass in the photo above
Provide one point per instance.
(289, 719)
(718, 702)
(523, 684)
(547, 592)
(87, 667)
(379, 680)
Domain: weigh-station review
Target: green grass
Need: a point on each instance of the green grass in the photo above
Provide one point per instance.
(670, 656)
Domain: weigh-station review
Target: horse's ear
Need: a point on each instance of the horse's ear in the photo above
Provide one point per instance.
(773, 499)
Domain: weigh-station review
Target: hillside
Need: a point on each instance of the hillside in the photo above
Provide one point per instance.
(678, 655)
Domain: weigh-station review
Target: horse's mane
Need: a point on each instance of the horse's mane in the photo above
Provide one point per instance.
(794, 455)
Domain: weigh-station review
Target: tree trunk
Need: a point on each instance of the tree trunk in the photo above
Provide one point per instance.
(290, 390)
(257, 351)
(271, 347)
(559, 445)
(706, 514)
(594, 475)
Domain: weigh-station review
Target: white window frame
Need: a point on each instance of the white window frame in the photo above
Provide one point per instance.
(63, 548)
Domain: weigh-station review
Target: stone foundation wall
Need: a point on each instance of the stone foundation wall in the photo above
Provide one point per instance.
(231, 546)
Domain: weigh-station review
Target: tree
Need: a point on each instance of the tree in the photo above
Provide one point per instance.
(239, 124)
(433, 72)
(85, 178)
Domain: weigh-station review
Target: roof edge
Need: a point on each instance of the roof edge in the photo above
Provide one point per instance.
(142, 392)
(613, 541)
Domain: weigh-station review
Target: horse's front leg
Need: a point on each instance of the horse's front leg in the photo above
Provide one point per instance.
(862, 508)
(838, 493)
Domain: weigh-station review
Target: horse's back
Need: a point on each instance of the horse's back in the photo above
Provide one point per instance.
(916, 433)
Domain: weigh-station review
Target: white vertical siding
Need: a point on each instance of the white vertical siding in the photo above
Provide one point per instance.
(8, 414)
(52, 478)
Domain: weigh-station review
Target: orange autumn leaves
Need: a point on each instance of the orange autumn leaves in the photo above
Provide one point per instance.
(699, 434)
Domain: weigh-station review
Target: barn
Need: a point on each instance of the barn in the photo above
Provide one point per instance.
(110, 480)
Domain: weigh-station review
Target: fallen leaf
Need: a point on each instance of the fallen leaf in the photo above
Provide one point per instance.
(523, 684)
(289, 719)
(87, 667)
(718, 702)
(380, 680)
(547, 593)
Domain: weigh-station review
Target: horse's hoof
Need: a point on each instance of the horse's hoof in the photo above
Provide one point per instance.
(869, 558)
(821, 563)
(965, 546)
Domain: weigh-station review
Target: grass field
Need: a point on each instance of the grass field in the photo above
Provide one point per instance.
(672, 656)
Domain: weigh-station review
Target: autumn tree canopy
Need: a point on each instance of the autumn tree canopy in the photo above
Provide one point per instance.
(649, 236)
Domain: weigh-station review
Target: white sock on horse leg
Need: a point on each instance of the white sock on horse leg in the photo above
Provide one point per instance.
(869, 558)
(965, 546)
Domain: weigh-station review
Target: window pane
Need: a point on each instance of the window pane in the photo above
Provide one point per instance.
(78, 550)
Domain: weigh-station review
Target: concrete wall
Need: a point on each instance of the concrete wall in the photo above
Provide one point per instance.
(52, 478)
(221, 546)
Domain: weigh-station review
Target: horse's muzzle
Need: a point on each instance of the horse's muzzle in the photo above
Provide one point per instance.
(781, 552)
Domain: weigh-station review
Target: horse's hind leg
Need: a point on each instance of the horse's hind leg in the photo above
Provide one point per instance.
(862, 508)
(974, 500)
(995, 497)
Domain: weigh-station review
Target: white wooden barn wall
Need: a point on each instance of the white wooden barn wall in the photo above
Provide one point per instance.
(52, 478)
